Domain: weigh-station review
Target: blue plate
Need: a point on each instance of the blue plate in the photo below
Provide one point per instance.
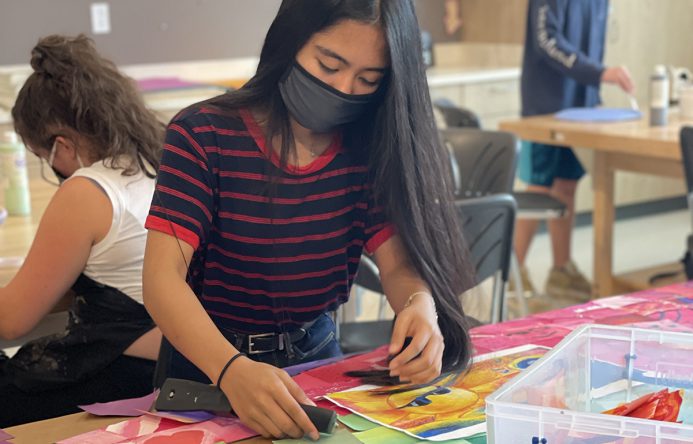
(598, 114)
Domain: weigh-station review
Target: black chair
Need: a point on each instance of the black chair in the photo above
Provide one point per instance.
(358, 336)
(484, 163)
(487, 224)
(530, 205)
(687, 158)
(456, 117)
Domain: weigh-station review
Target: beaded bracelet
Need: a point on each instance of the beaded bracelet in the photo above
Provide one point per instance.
(226, 367)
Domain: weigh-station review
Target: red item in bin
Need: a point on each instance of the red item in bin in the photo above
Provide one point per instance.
(660, 406)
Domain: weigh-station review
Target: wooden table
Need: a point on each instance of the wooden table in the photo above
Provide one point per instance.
(17, 232)
(628, 146)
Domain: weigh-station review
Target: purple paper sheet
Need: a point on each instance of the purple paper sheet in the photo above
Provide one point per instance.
(164, 83)
(300, 368)
(598, 114)
(4, 436)
(123, 407)
(184, 416)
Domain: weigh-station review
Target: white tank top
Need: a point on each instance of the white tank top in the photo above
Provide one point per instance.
(117, 259)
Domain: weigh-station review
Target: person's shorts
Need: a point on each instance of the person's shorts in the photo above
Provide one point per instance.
(540, 164)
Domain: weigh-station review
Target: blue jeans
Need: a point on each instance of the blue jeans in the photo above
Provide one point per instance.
(320, 342)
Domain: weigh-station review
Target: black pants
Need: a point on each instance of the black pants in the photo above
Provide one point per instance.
(126, 377)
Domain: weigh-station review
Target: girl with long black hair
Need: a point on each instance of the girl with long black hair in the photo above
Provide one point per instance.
(267, 197)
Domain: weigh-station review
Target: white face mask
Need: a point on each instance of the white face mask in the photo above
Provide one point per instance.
(51, 157)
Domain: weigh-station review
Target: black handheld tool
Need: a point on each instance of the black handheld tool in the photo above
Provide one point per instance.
(184, 395)
(323, 419)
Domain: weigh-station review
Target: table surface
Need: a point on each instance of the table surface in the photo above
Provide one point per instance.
(635, 137)
(666, 308)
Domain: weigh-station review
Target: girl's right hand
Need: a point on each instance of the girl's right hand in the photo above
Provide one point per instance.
(266, 399)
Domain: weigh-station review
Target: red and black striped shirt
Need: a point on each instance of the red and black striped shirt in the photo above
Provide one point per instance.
(274, 247)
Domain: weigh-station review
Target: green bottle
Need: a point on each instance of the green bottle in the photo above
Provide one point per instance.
(14, 175)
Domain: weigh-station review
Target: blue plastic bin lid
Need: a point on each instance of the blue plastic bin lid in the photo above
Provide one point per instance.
(598, 114)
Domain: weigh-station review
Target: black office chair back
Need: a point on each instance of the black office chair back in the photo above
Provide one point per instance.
(687, 156)
(487, 225)
(455, 116)
(484, 161)
(368, 276)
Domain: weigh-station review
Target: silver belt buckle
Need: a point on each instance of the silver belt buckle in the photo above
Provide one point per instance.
(251, 343)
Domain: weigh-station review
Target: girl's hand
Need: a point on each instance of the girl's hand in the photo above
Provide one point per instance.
(266, 399)
(422, 360)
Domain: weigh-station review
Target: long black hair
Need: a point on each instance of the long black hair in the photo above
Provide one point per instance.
(398, 137)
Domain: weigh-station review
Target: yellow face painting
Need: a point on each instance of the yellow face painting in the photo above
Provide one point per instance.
(454, 403)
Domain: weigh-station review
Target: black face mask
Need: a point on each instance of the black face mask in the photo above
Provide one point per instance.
(318, 106)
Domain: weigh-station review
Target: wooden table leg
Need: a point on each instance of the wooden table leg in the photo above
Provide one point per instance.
(603, 221)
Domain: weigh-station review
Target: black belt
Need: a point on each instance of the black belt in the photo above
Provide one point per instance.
(267, 342)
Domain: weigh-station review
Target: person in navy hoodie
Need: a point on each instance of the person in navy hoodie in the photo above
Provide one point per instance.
(562, 68)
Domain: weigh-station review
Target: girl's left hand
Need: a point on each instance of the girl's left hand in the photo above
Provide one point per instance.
(421, 361)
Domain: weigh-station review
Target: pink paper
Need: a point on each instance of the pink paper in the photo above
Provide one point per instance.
(142, 426)
(4, 435)
(94, 437)
(542, 334)
(122, 407)
(144, 429)
(618, 301)
(207, 432)
(314, 388)
(176, 436)
(334, 407)
(664, 325)
(229, 429)
(165, 83)
(653, 307)
(334, 373)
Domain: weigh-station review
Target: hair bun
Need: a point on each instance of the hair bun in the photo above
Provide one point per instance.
(38, 56)
(56, 55)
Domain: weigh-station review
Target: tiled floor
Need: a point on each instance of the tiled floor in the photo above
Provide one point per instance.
(638, 243)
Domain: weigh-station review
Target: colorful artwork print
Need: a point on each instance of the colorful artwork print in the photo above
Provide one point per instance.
(452, 408)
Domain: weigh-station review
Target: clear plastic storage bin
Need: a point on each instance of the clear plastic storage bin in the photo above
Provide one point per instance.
(558, 400)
